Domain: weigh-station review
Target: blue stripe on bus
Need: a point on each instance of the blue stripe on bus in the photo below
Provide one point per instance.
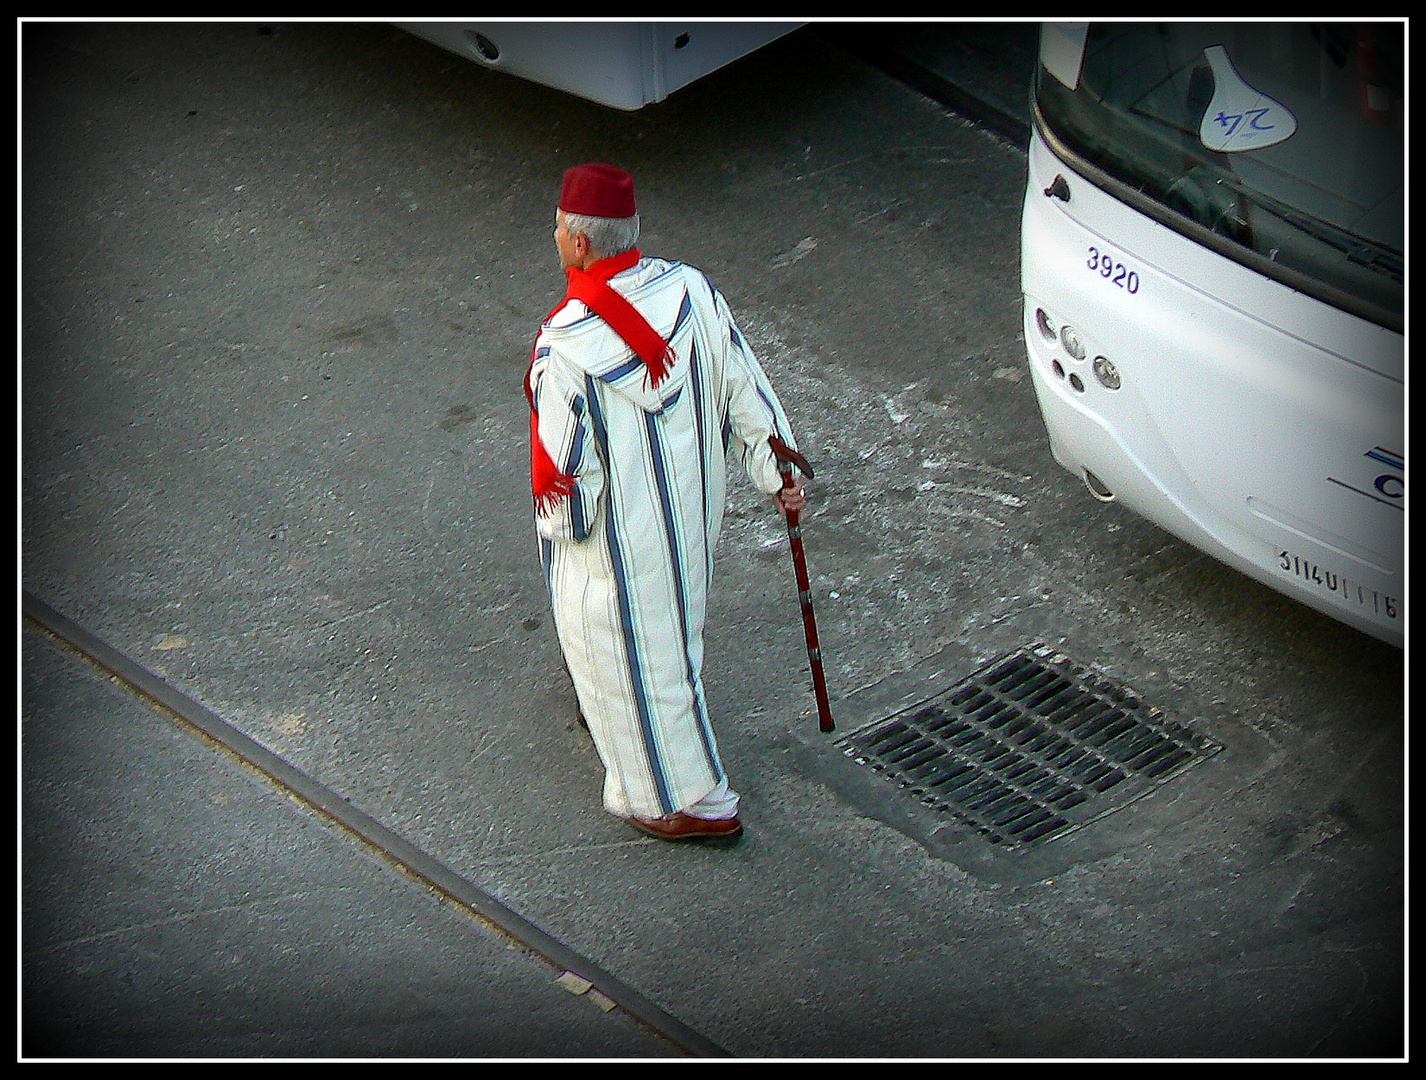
(1386, 457)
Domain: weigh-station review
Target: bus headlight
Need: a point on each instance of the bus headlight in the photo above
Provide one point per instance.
(1106, 373)
(1069, 338)
(1046, 324)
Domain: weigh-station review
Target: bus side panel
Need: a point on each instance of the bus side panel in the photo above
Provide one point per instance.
(1231, 425)
(625, 65)
(611, 67)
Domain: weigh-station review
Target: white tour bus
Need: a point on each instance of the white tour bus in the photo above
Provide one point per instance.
(625, 65)
(1212, 266)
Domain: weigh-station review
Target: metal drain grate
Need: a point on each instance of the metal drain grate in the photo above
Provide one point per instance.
(1029, 747)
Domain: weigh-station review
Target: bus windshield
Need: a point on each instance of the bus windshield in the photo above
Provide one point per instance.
(1280, 145)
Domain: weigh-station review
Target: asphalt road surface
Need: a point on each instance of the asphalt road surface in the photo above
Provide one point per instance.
(279, 285)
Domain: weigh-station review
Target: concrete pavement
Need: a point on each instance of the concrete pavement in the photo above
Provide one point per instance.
(279, 284)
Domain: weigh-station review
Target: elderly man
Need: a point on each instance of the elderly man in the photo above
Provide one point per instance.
(640, 387)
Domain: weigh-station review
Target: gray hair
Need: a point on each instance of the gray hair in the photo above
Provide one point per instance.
(607, 236)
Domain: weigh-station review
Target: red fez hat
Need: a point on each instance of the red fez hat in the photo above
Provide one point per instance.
(598, 190)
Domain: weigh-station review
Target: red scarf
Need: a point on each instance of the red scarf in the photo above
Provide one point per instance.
(592, 287)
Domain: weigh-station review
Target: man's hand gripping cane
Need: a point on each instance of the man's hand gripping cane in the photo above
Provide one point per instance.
(792, 500)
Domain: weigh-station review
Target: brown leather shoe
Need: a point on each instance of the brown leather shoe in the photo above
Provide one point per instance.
(681, 826)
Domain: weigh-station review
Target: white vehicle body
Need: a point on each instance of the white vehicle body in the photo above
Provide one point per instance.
(625, 65)
(1201, 347)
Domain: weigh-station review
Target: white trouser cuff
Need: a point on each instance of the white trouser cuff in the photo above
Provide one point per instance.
(720, 804)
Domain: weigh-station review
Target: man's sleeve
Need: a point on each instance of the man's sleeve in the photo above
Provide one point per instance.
(754, 411)
(564, 428)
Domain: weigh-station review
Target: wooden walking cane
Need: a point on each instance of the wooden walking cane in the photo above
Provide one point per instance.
(786, 458)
